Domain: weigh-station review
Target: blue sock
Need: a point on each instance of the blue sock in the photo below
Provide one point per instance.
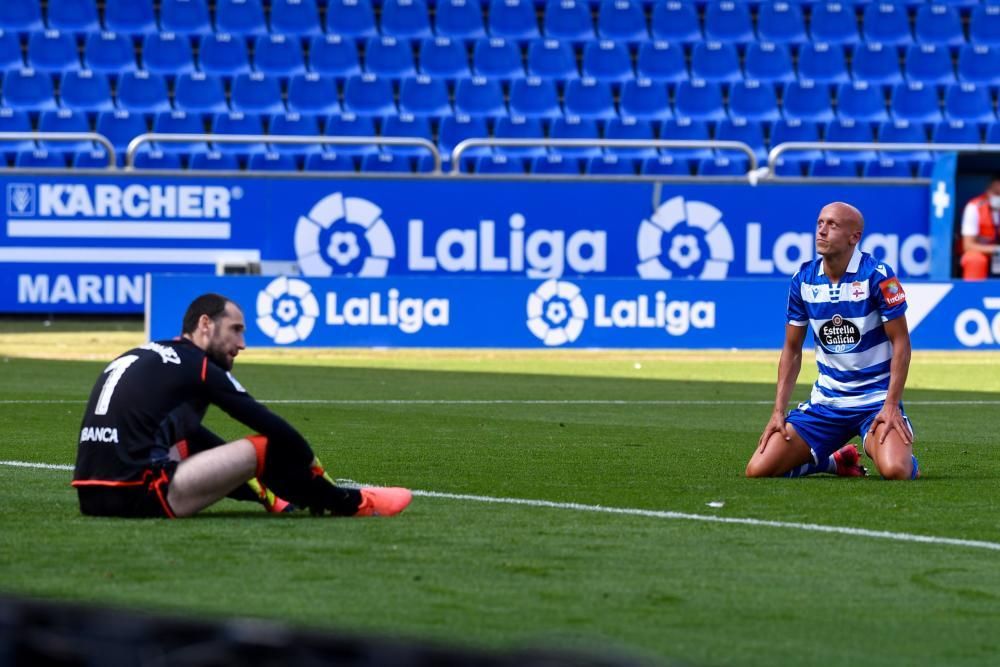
(916, 467)
(828, 466)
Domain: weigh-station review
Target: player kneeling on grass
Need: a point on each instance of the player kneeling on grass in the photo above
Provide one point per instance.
(855, 307)
(143, 451)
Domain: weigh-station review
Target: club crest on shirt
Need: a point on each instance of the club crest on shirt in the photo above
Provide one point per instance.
(892, 291)
(857, 291)
(838, 335)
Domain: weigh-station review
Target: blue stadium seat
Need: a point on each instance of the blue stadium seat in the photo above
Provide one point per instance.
(833, 167)
(750, 132)
(79, 16)
(645, 98)
(131, 17)
(351, 19)
(443, 58)
(555, 164)
(408, 126)
(723, 166)
(823, 63)
(768, 63)
(237, 122)
(499, 164)
(313, 94)
(278, 55)
(665, 165)
(984, 25)
(185, 17)
(179, 122)
(52, 51)
(699, 100)
(389, 58)
(272, 161)
(21, 16)
(903, 132)
(794, 130)
(454, 130)
(611, 165)
(877, 64)
(675, 22)
(686, 129)
(256, 93)
(939, 24)
(574, 127)
(85, 90)
(479, 97)
(833, 23)
(915, 102)
(993, 133)
(717, 62)
(607, 61)
(513, 19)
(10, 51)
(424, 96)
(330, 161)
(40, 159)
(633, 129)
(459, 19)
(497, 58)
(929, 64)
(622, 20)
(888, 167)
(240, 17)
(955, 132)
(887, 23)
(95, 158)
(351, 125)
(861, 102)
(119, 127)
(588, 98)
(781, 23)
(661, 61)
(334, 56)
(214, 161)
(64, 120)
(167, 53)
(753, 100)
(368, 95)
(849, 131)
(386, 162)
(552, 59)
(224, 54)
(148, 158)
(979, 64)
(299, 125)
(568, 19)
(405, 19)
(806, 100)
(536, 97)
(519, 127)
(970, 103)
(28, 89)
(109, 52)
(15, 120)
(727, 21)
(295, 17)
(198, 92)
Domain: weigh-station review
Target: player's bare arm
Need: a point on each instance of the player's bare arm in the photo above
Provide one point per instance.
(899, 336)
(789, 366)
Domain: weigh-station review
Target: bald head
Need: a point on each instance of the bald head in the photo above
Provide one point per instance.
(845, 213)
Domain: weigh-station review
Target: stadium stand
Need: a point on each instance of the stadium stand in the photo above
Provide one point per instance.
(598, 67)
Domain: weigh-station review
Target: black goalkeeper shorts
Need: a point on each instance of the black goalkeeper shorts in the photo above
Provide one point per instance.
(146, 498)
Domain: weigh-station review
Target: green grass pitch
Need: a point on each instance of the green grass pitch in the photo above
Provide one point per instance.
(660, 431)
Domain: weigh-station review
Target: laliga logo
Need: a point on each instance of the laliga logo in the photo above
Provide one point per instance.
(974, 327)
(344, 235)
(286, 310)
(557, 312)
(684, 240)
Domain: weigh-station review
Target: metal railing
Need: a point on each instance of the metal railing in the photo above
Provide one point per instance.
(781, 149)
(67, 137)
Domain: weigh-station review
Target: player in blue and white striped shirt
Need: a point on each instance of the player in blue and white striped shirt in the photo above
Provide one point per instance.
(855, 307)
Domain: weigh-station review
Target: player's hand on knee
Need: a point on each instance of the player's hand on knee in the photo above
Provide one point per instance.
(776, 424)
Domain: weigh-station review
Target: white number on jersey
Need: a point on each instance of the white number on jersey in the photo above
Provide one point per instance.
(115, 370)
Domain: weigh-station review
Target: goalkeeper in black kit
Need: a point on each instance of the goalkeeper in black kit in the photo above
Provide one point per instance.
(143, 451)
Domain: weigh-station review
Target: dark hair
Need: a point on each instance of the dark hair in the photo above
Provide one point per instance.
(995, 177)
(209, 304)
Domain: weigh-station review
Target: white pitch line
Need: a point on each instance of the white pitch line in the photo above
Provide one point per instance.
(458, 401)
(657, 514)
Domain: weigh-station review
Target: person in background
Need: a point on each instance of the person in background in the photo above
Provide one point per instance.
(981, 234)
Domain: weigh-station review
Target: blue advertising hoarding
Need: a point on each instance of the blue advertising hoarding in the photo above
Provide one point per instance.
(553, 313)
(79, 243)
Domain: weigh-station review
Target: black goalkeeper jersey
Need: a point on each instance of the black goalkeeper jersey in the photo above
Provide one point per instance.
(154, 396)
